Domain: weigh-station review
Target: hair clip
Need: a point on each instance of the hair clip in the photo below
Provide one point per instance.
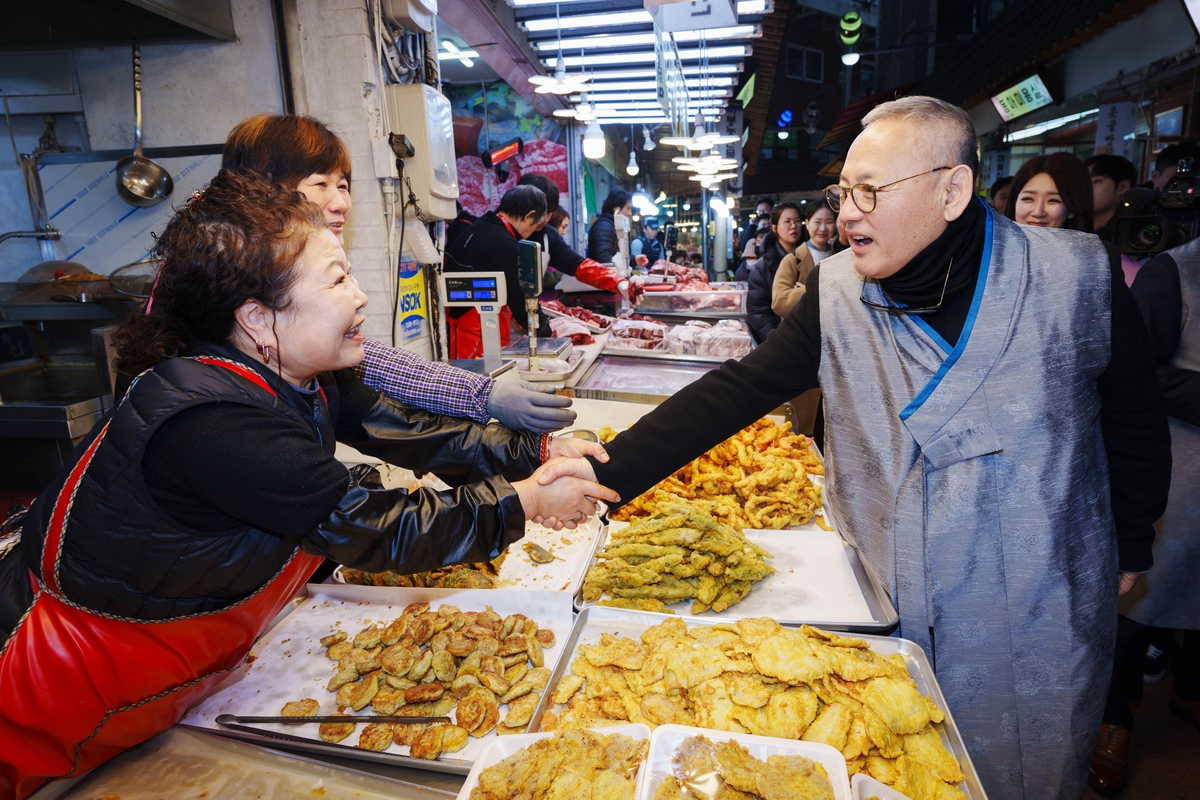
(196, 196)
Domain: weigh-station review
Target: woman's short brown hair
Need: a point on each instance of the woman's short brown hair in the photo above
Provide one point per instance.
(237, 240)
(286, 147)
(1071, 178)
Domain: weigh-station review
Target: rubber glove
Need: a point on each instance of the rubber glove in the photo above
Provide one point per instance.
(528, 407)
(632, 290)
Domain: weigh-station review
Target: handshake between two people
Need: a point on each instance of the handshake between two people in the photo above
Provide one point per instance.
(563, 492)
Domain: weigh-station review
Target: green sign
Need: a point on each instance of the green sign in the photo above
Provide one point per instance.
(747, 91)
(1028, 95)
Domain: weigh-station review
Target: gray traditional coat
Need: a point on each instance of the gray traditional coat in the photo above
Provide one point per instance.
(974, 481)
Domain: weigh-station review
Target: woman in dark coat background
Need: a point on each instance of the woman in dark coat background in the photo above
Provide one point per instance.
(786, 226)
(602, 236)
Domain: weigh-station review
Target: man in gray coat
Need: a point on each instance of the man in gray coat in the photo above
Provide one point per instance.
(995, 438)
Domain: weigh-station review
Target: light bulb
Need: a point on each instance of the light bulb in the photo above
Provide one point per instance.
(687, 206)
(850, 59)
(593, 141)
(633, 168)
(784, 135)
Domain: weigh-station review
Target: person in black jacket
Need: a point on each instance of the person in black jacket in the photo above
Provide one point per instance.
(602, 237)
(490, 245)
(787, 224)
(211, 492)
(558, 254)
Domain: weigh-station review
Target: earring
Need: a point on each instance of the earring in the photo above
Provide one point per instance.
(264, 351)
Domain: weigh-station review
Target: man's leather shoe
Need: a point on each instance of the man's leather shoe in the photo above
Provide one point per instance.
(1186, 710)
(1107, 775)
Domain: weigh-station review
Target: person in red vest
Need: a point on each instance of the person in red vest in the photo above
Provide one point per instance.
(200, 505)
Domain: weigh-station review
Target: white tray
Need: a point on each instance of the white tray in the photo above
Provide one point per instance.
(573, 362)
(666, 739)
(505, 746)
(564, 574)
(818, 580)
(549, 312)
(592, 622)
(865, 787)
(290, 663)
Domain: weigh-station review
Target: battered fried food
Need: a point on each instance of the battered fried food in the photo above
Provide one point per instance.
(376, 736)
(572, 764)
(755, 676)
(437, 739)
(334, 732)
(726, 770)
(436, 663)
(757, 478)
(677, 553)
(301, 708)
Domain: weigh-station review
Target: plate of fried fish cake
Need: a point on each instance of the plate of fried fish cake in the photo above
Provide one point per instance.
(687, 763)
(578, 764)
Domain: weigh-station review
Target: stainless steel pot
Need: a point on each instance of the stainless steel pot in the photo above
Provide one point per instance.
(140, 181)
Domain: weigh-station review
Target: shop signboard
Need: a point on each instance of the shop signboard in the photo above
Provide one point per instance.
(730, 124)
(693, 16)
(1116, 126)
(411, 314)
(1028, 95)
(997, 163)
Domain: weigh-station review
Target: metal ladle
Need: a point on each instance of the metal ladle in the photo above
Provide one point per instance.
(140, 181)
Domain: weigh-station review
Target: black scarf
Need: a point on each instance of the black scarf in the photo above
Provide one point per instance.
(919, 282)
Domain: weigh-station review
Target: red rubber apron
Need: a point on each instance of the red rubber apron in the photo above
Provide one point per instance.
(78, 687)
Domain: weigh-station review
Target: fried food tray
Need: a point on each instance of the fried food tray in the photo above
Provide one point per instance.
(564, 574)
(186, 762)
(290, 664)
(591, 622)
(819, 580)
(507, 746)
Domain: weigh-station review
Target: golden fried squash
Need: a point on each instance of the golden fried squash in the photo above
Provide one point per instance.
(405, 733)
(376, 736)
(334, 732)
(521, 711)
(301, 708)
(338, 650)
(364, 692)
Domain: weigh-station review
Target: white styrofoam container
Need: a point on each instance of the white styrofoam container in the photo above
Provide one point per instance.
(864, 787)
(504, 746)
(667, 739)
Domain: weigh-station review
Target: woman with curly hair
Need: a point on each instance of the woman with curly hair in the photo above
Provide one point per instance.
(204, 501)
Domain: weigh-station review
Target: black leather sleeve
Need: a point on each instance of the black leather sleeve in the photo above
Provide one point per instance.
(458, 451)
(377, 529)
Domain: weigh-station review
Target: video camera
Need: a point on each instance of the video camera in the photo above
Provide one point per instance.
(1163, 220)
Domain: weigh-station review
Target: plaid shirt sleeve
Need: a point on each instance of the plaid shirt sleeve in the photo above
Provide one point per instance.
(429, 385)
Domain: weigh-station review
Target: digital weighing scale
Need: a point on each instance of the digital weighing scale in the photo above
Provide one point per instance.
(484, 292)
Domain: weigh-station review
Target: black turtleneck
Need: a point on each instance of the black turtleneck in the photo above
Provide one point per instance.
(957, 251)
(786, 365)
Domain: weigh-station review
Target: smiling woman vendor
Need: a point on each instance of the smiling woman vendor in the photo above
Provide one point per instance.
(209, 495)
(303, 154)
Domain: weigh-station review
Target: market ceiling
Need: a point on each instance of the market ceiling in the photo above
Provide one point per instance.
(614, 42)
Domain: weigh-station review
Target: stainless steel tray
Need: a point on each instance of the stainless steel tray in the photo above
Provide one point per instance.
(663, 355)
(882, 614)
(223, 768)
(591, 622)
(289, 664)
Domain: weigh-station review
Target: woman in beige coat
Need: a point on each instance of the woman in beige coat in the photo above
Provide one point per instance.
(793, 270)
(788, 288)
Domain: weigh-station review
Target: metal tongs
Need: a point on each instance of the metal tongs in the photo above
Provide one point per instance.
(230, 721)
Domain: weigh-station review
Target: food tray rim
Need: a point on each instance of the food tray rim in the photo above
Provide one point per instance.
(549, 312)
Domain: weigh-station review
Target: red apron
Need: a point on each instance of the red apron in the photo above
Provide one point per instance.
(78, 687)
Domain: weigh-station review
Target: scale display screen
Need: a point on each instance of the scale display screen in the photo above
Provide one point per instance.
(471, 290)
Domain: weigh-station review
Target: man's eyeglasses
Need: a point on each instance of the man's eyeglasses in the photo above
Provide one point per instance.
(864, 194)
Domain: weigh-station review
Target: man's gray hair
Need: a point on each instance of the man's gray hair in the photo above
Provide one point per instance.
(962, 149)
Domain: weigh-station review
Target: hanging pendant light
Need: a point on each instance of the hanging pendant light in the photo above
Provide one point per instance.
(632, 168)
(593, 141)
(560, 82)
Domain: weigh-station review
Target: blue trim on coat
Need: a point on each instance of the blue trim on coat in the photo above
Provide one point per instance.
(984, 264)
(932, 334)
